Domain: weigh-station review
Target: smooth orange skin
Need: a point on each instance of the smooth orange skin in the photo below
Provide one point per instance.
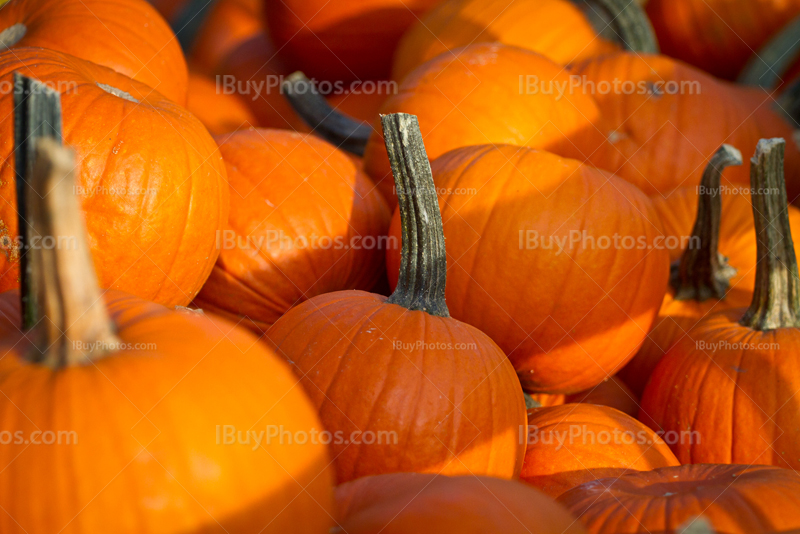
(448, 391)
(737, 242)
(229, 24)
(557, 29)
(742, 400)
(473, 97)
(144, 456)
(220, 113)
(154, 189)
(661, 143)
(434, 504)
(718, 36)
(735, 499)
(128, 36)
(566, 320)
(294, 185)
(564, 449)
(344, 40)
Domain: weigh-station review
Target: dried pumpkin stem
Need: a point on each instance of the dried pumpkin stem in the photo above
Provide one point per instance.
(776, 298)
(702, 272)
(622, 21)
(335, 127)
(423, 266)
(767, 67)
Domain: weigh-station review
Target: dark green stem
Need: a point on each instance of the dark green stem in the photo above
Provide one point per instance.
(423, 267)
(622, 21)
(702, 272)
(776, 299)
(767, 67)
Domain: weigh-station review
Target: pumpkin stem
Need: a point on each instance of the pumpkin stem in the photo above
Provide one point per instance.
(622, 21)
(767, 67)
(335, 127)
(423, 265)
(702, 272)
(776, 298)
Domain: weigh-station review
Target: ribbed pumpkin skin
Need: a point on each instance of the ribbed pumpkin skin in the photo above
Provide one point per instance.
(154, 185)
(288, 189)
(433, 504)
(528, 299)
(220, 113)
(229, 24)
(742, 401)
(458, 99)
(660, 143)
(735, 499)
(145, 445)
(128, 36)
(565, 447)
(719, 36)
(342, 40)
(557, 29)
(448, 392)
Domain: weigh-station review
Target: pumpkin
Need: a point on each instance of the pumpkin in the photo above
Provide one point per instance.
(717, 36)
(562, 30)
(128, 36)
(611, 392)
(731, 382)
(228, 24)
(219, 112)
(345, 40)
(654, 138)
(424, 503)
(303, 221)
(362, 105)
(459, 98)
(533, 261)
(575, 443)
(152, 183)
(129, 396)
(735, 499)
(426, 392)
(777, 63)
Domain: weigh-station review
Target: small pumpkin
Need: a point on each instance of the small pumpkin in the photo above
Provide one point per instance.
(424, 503)
(731, 382)
(128, 36)
(562, 30)
(219, 112)
(433, 394)
(735, 499)
(534, 264)
(303, 221)
(575, 443)
(228, 24)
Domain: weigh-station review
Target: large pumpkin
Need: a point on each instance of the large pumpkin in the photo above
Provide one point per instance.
(734, 499)
(731, 383)
(219, 112)
(423, 503)
(478, 95)
(403, 385)
(115, 403)
(303, 221)
(575, 443)
(152, 183)
(534, 263)
(128, 36)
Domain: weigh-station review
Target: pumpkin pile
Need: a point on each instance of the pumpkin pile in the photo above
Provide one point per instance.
(399, 266)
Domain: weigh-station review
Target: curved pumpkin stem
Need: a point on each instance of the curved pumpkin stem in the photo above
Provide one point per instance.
(702, 272)
(333, 126)
(767, 67)
(776, 299)
(423, 266)
(622, 21)
(788, 104)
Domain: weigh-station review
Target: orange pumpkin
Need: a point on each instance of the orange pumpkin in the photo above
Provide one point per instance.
(732, 381)
(152, 183)
(735, 499)
(304, 221)
(576, 443)
(229, 24)
(611, 392)
(128, 36)
(459, 98)
(363, 106)
(74, 402)
(433, 504)
(405, 386)
(219, 112)
(547, 280)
